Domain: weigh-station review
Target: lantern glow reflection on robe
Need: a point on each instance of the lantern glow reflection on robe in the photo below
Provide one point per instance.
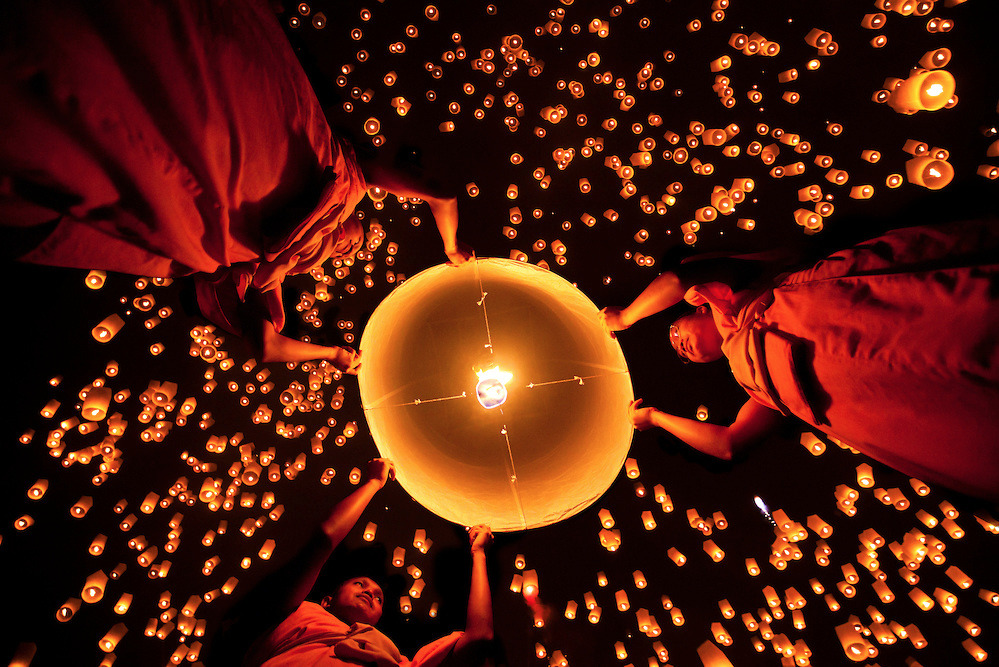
(550, 448)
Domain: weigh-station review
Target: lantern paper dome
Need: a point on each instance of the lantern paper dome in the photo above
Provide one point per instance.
(497, 393)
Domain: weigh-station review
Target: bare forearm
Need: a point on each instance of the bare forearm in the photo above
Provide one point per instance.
(412, 184)
(445, 213)
(345, 514)
(292, 583)
(278, 347)
(711, 439)
(670, 287)
(479, 621)
(663, 292)
(751, 425)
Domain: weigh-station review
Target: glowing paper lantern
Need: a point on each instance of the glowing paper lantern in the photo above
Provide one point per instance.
(536, 440)
(110, 640)
(929, 172)
(925, 90)
(107, 328)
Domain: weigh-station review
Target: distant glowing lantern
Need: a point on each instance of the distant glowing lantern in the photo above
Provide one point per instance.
(925, 90)
(969, 626)
(928, 172)
(530, 584)
(856, 647)
(610, 539)
(712, 550)
(975, 650)
(520, 420)
(107, 328)
(95, 279)
(93, 589)
(110, 640)
(68, 609)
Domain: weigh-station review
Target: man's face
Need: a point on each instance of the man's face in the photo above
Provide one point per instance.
(358, 600)
(695, 337)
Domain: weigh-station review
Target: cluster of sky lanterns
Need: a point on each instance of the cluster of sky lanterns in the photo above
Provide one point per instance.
(212, 485)
(860, 640)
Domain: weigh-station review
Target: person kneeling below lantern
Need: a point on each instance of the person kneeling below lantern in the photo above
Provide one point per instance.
(283, 628)
(891, 346)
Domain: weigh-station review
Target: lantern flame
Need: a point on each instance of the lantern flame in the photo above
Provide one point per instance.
(491, 389)
(762, 505)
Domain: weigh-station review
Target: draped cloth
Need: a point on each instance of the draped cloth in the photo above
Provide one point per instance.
(891, 346)
(167, 139)
(313, 636)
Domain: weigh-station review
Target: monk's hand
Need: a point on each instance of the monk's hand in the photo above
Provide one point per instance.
(641, 418)
(613, 320)
(345, 359)
(381, 470)
(459, 254)
(479, 537)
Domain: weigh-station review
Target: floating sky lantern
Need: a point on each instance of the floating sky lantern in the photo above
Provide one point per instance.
(929, 172)
(497, 393)
(925, 90)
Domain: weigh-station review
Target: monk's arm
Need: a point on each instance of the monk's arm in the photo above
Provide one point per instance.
(257, 321)
(751, 425)
(306, 566)
(479, 620)
(413, 184)
(282, 591)
(669, 288)
(278, 347)
(475, 646)
(665, 291)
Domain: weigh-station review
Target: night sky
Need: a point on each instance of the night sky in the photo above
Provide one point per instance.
(661, 66)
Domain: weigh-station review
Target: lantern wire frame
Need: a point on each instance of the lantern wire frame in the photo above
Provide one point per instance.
(558, 441)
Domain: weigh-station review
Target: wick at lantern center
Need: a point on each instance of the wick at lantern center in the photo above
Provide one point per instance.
(491, 389)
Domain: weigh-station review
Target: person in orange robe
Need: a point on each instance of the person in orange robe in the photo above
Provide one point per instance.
(182, 138)
(275, 626)
(891, 346)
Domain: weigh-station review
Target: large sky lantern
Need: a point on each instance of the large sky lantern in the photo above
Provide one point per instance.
(497, 393)
(653, 155)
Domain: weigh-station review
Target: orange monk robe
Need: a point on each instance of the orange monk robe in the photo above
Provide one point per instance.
(891, 346)
(313, 636)
(164, 139)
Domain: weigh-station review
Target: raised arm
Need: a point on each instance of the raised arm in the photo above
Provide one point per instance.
(479, 620)
(260, 315)
(290, 585)
(669, 288)
(278, 347)
(334, 528)
(751, 425)
(474, 648)
(411, 183)
(281, 592)
(665, 291)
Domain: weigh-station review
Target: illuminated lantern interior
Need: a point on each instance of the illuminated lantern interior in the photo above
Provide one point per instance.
(497, 393)
(589, 139)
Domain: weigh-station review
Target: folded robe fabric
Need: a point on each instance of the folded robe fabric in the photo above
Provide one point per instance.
(891, 346)
(313, 636)
(165, 139)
